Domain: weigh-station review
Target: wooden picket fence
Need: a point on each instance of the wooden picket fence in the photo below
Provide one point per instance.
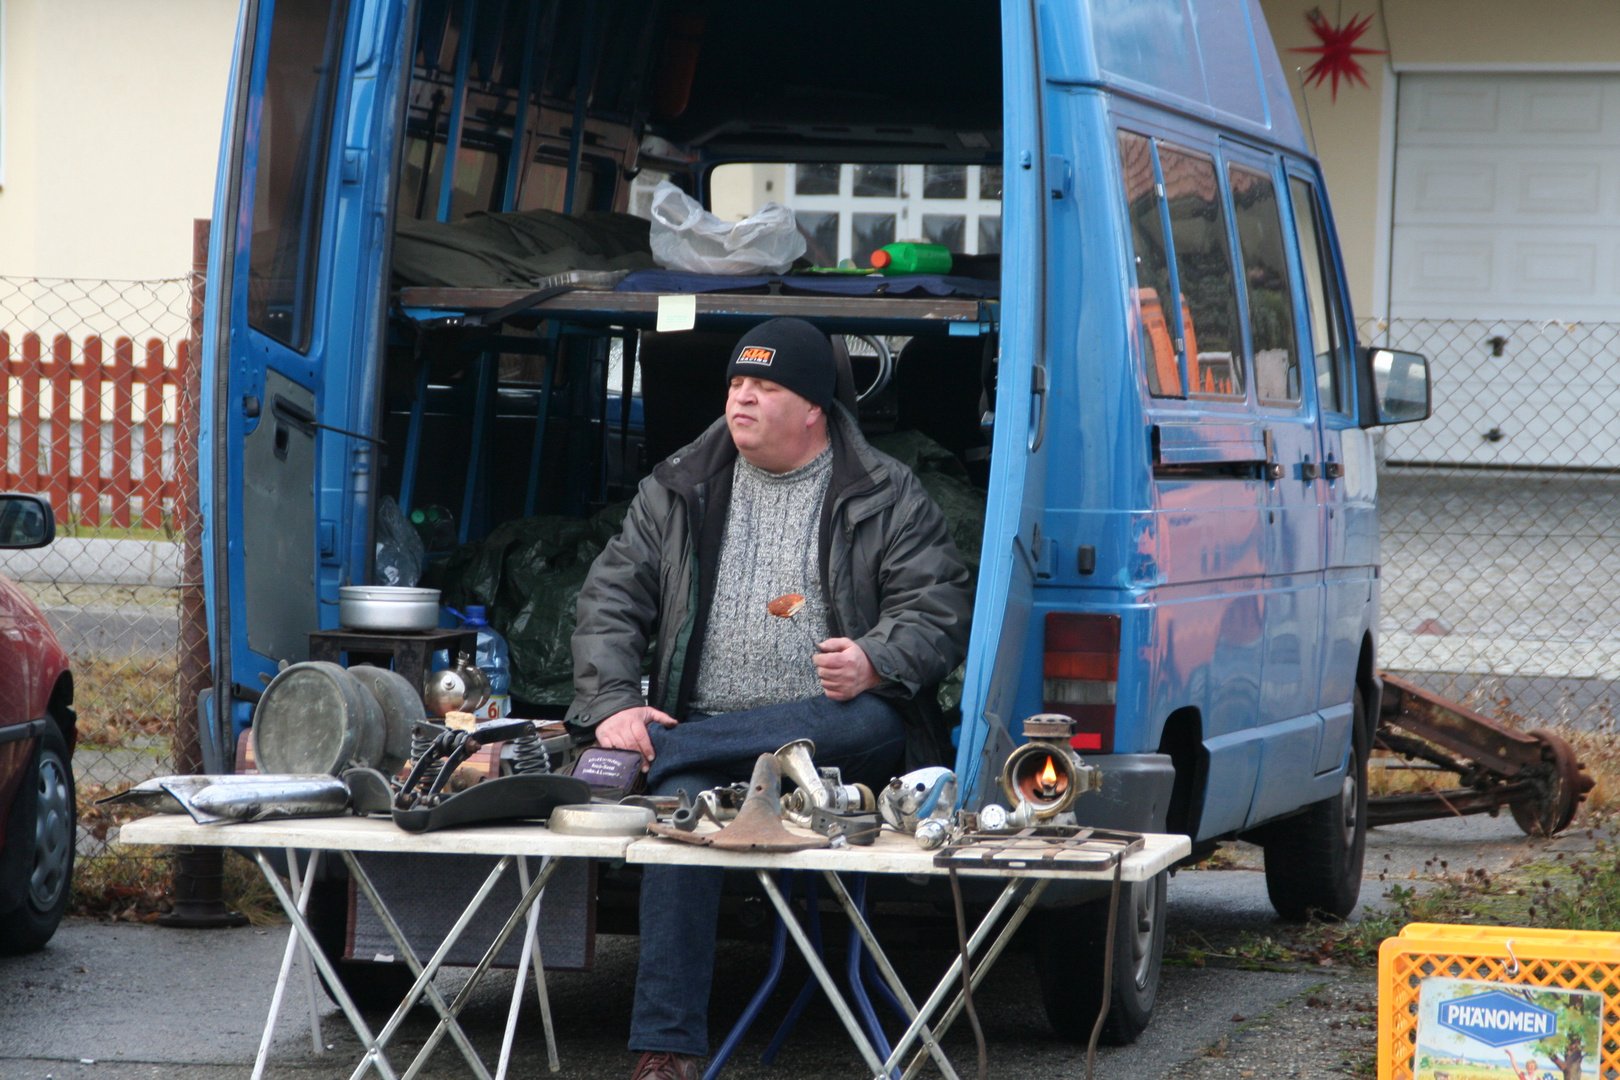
(58, 447)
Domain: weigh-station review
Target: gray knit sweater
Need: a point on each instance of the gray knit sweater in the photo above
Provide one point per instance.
(750, 657)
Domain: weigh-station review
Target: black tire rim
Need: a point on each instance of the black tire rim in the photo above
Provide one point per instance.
(1145, 908)
(53, 834)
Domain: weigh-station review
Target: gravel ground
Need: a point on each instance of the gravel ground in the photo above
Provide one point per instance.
(1330, 1030)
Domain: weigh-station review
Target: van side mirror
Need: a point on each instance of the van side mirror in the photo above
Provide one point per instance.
(26, 521)
(1400, 387)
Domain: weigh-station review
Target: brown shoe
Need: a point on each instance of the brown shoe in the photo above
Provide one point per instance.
(659, 1065)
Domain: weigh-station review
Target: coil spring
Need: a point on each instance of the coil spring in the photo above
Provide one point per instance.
(420, 745)
(529, 755)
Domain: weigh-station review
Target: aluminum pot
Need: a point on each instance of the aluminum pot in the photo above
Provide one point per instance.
(387, 607)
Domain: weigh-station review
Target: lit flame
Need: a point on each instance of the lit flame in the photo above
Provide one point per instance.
(1049, 774)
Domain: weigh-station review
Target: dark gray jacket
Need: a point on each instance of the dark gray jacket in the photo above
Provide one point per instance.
(892, 577)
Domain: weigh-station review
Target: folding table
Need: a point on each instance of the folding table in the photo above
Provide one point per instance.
(893, 853)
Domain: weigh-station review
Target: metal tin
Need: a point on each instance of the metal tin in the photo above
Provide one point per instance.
(387, 607)
(401, 706)
(315, 717)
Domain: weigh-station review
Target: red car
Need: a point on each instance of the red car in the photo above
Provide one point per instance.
(38, 815)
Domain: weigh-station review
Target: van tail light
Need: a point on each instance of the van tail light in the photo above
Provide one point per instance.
(1080, 675)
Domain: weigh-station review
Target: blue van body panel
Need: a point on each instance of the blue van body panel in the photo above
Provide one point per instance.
(1212, 59)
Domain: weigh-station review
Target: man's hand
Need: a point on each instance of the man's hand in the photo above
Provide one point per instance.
(627, 730)
(844, 669)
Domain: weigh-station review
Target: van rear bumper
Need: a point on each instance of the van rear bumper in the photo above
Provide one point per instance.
(1135, 793)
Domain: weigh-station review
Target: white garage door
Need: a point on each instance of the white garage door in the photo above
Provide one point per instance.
(1507, 227)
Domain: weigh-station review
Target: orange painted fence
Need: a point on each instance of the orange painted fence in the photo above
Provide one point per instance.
(102, 447)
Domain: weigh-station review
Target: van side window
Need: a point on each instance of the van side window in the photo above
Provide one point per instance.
(1152, 290)
(1204, 271)
(1321, 296)
(294, 123)
(1265, 273)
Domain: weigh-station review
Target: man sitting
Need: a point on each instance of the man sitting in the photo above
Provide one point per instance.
(783, 496)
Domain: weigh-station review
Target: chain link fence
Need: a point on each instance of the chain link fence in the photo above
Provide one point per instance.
(1501, 520)
(95, 391)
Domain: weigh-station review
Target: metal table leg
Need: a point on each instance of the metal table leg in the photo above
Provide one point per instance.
(374, 1056)
(303, 955)
(531, 948)
(980, 969)
(423, 986)
(751, 1011)
(293, 947)
(813, 958)
(864, 930)
(812, 911)
(448, 1021)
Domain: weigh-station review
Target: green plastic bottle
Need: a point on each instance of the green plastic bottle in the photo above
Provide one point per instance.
(910, 258)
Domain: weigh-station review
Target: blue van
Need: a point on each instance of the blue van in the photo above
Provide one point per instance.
(424, 286)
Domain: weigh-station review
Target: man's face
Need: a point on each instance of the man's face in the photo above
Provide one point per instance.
(767, 420)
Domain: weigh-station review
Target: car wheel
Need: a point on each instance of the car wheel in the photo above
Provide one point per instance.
(1070, 950)
(373, 987)
(48, 828)
(1314, 860)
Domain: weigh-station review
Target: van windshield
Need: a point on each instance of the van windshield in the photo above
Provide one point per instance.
(847, 211)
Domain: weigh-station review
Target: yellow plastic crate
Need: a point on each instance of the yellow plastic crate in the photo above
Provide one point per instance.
(1577, 959)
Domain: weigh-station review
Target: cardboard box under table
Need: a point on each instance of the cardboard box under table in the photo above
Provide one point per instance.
(1026, 870)
(1513, 996)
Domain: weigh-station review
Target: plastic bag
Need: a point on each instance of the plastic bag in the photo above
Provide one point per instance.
(399, 548)
(687, 237)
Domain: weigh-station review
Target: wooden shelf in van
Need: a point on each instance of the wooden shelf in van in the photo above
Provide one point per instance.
(920, 314)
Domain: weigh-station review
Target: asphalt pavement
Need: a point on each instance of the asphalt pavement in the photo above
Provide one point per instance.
(116, 1001)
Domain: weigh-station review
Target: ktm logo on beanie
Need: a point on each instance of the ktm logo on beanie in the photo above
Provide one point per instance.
(756, 354)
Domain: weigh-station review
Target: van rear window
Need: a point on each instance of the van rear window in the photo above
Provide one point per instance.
(294, 122)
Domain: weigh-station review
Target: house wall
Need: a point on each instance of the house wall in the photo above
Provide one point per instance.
(113, 112)
(1354, 136)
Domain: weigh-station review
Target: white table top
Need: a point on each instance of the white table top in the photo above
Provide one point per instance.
(893, 853)
(349, 833)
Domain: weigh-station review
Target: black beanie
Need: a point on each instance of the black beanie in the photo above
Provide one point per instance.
(791, 353)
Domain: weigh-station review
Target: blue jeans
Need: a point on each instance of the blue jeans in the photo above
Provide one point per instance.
(680, 905)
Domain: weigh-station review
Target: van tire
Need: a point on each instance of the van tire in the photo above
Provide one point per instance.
(1070, 946)
(1314, 860)
(373, 987)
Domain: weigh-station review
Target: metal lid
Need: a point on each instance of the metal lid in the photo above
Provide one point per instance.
(593, 819)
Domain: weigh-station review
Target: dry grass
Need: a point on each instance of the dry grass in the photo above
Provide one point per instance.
(118, 700)
(122, 887)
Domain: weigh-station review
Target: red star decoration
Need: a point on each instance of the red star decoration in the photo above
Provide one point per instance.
(1336, 55)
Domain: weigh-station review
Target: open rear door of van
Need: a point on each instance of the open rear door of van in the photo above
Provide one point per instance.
(1004, 605)
(293, 309)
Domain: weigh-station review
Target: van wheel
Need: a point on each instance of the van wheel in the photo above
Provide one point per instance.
(1070, 945)
(374, 987)
(45, 830)
(1313, 861)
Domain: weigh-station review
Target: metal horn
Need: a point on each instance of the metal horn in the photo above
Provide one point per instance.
(797, 764)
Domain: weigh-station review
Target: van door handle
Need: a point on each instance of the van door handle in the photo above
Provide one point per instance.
(1271, 469)
(1037, 389)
